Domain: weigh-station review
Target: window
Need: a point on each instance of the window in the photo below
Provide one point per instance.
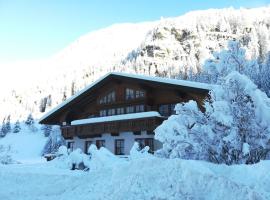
(139, 108)
(108, 98)
(86, 146)
(119, 147)
(111, 97)
(100, 143)
(102, 113)
(120, 111)
(111, 112)
(70, 145)
(130, 109)
(139, 94)
(146, 142)
(164, 110)
(129, 94)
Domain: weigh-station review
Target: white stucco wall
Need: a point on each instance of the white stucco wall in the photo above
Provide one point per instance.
(128, 137)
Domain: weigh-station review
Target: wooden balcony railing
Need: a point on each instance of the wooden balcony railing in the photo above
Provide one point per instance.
(96, 129)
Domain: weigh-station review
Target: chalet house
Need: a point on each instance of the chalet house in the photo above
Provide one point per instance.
(119, 109)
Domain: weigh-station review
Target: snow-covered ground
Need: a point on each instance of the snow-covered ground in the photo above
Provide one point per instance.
(139, 178)
(25, 146)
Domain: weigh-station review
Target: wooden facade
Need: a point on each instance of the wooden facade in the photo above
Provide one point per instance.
(119, 94)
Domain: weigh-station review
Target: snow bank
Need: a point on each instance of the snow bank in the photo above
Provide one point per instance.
(145, 178)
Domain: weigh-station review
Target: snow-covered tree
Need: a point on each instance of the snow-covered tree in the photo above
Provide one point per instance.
(184, 135)
(55, 140)
(30, 123)
(47, 129)
(235, 128)
(17, 127)
(265, 73)
(30, 120)
(8, 126)
(239, 115)
(231, 59)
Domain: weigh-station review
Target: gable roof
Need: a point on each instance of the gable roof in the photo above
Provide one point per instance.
(182, 83)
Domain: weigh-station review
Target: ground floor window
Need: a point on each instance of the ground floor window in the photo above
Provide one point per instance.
(119, 147)
(70, 145)
(86, 146)
(100, 143)
(146, 142)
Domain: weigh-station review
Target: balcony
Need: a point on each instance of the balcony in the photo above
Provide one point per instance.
(94, 129)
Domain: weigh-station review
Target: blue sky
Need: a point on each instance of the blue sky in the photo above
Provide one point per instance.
(33, 29)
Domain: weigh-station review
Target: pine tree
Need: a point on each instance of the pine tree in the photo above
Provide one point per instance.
(17, 127)
(30, 123)
(8, 126)
(30, 120)
(3, 131)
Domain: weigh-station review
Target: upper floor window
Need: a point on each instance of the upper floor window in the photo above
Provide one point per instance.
(140, 94)
(132, 94)
(164, 110)
(111, 112)
(120, 111)
(102, 113)
(167, 109)
(129, 94)
(139, 108)
(130, 109)
(109, 98)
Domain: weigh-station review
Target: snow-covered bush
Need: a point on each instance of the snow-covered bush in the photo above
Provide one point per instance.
(184, 135)
(100, 158)
(136, 152)
(5, 157)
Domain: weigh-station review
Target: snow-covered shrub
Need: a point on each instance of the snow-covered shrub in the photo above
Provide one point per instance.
(78, 160)
(184, 135)
(5, 157)
(136, 152)
(55, 140)
(100, 158)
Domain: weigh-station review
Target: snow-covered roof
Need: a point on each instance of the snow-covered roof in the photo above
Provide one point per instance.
(116, 118)
(183, 83)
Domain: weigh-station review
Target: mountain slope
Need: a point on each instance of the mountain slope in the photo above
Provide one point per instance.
(168, 47)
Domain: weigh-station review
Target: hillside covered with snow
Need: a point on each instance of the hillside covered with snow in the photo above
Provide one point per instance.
(169, 47)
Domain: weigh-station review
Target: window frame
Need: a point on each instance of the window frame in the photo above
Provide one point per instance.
(119, 150)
